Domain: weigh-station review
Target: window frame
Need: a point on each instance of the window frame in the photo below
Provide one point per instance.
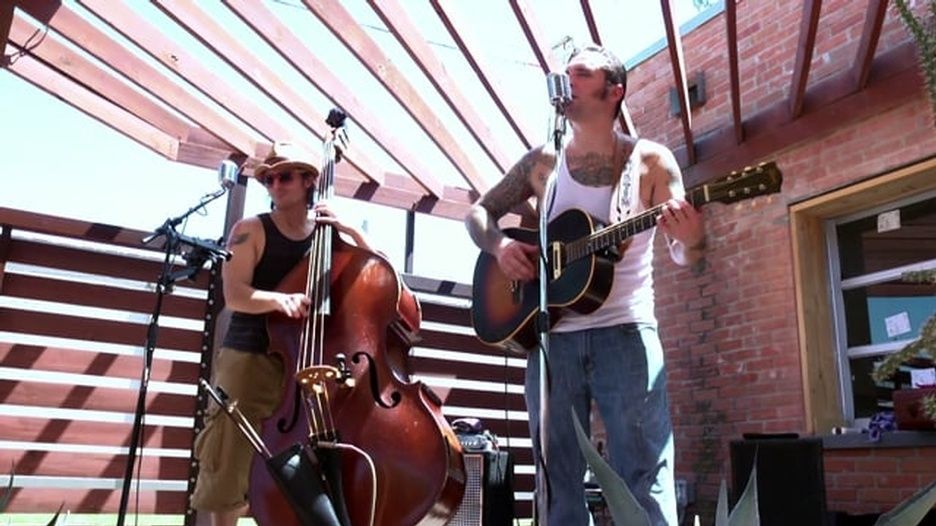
(820, 370)
(837, 288)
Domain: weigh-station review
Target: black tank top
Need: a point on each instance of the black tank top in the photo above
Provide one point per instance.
(247, 332)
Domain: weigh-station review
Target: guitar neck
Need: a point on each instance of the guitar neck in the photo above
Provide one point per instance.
(617, 233)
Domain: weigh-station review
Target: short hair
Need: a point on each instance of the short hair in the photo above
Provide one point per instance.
(615, 72)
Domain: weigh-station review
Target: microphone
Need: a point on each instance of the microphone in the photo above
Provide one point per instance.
(227, 174)
(560, 92)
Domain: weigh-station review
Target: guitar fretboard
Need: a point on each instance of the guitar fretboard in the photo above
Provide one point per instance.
(617, 233)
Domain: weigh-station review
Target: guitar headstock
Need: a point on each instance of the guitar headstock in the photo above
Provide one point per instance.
(763, 179)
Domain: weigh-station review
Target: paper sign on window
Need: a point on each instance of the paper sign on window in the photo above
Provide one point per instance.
(888, 221)
(897, 324)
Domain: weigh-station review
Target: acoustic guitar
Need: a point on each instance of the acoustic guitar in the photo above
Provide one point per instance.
(580, 262)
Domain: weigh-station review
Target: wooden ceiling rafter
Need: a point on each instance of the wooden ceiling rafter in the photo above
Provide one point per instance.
(734, 73)
(6, 18)
(343, 26)
(804, 53)
(60, 86)
(176, 58)
(265, 24)
(203, 27)
(828, 105)
(870, 34)
(407, 194)
(394, 17)
(625, 121)
(471, 51)
(93, 41)
(674, 43)
(535, 35)
(69, 63)
(590, 21)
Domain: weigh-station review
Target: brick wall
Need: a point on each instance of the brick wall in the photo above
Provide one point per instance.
(729, 327)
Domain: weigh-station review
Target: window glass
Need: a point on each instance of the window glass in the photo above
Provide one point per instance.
(907, 235)
(881, 309)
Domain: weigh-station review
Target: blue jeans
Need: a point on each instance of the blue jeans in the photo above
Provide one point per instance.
(621, 369)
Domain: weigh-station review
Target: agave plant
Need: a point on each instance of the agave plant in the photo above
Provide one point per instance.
(8, 495)
(911, 511)
(626, 511)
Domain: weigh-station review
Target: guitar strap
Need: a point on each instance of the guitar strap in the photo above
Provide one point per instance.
(622, 193)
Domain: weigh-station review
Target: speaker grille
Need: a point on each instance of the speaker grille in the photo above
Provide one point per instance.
(470, 510)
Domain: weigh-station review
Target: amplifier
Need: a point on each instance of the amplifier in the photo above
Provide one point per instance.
(488, 499)
(469, 511)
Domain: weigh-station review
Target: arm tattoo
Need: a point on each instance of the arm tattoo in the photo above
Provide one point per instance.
(513, 188)
(238, 239)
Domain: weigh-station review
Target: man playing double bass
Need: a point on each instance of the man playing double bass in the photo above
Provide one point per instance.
(264, 249)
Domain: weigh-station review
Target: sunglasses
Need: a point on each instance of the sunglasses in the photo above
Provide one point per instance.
(283, 177)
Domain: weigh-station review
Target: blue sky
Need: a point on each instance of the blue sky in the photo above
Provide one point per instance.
(64, 163)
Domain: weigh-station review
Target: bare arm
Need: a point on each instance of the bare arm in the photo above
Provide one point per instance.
(326, 216)
(520, 183)
(246, 243)
(680, 222)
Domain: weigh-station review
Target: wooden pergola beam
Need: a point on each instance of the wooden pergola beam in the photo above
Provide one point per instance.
(534, 34)
(590, 21)
(394, 17)
(6, 18)
(734, 74)
(829, 105)
(874, 21)
(67, 90)
(624, 120)
(337, 19)
(203, 27)
(294, 51)
(62, 59)
(470, 49)
(174, 56)
(90, 39)
(804, 53)
(674, 43)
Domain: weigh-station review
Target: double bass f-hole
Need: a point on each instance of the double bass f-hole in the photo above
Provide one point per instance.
(395, 397)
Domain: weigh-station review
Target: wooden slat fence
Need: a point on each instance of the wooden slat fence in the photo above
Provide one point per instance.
(75, 302)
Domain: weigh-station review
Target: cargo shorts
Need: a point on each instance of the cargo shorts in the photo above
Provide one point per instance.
(255, 381)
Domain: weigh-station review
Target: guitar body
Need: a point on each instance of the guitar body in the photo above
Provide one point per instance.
(503, 311)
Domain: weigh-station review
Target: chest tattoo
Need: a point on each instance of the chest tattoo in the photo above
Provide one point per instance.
(592, 169)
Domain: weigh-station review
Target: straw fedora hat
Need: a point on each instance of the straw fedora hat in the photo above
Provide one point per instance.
(286, 156)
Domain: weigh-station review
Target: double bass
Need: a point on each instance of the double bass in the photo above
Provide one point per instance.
(379, 448)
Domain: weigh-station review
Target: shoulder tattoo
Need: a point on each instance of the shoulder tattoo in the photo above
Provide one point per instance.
(238, 239)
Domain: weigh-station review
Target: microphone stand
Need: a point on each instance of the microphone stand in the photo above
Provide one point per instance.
(542, 317)
(201, 250)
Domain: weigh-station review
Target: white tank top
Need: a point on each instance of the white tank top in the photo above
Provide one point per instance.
(631, 297)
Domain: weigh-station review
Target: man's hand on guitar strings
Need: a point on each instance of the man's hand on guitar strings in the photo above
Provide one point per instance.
(517, 260)
(680, 221)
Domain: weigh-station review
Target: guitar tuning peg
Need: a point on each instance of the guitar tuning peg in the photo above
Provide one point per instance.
(748, 168)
